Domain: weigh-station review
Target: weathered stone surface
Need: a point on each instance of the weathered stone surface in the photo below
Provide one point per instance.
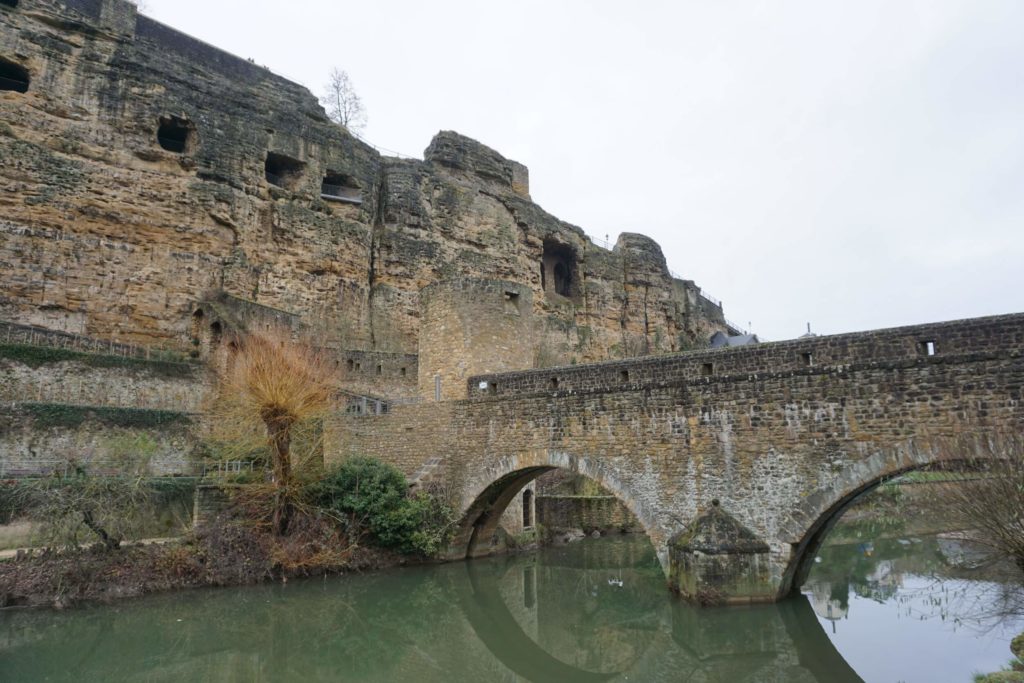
(33, 446)
(716, 560)
(590, 513)
(108, 232)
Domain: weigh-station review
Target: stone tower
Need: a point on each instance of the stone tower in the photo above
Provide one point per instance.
(469, 327)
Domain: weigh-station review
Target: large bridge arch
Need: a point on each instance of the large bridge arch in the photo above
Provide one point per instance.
(813, 517)
(489, 492)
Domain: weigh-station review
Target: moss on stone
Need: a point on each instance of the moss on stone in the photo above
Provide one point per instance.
(36, 356)
(46, 415)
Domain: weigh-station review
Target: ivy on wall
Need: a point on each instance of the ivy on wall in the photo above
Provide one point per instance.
(46, 415)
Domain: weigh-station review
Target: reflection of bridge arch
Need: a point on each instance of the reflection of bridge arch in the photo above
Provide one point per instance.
(790, 630)
(489, 493)
(810, 522)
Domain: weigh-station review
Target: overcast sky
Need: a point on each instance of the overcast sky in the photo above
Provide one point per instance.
(852, 164)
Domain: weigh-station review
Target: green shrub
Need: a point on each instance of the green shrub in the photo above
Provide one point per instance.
(373, 497)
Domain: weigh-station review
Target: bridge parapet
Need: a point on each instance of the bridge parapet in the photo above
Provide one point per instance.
(930, 343)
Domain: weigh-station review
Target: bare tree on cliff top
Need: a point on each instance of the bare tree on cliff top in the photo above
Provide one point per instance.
(272, 398)
(342, 103)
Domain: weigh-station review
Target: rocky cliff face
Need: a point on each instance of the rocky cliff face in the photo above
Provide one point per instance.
(147, 171)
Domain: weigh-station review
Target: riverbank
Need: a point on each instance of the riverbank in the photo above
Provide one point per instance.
(225, 552)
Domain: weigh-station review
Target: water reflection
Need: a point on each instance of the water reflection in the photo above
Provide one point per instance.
(593, 611)
(915, 608)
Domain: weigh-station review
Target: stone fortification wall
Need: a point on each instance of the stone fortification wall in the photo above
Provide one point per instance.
(589, 513)
(184, 387)
(390, 375)
(467, 325)
(38, 439)
(812, 355)
(147, 171)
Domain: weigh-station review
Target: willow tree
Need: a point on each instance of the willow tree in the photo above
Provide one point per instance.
(274, 391)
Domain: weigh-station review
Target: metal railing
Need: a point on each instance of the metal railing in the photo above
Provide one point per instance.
(358, 404)
(734, 326)
(171, 144)
(222, 469)
(16, 333)
(353, 195)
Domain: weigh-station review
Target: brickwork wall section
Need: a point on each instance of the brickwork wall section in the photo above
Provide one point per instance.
(472, 326)
(809, 355)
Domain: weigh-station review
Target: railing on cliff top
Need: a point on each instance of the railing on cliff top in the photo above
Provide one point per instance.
(17, 333)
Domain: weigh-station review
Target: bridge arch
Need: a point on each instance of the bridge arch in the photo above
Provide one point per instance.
(489, 493)
(812, 519)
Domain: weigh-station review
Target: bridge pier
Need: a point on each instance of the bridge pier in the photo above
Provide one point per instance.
(718, 561)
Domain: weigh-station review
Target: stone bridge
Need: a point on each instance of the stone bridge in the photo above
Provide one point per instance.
(735, 461)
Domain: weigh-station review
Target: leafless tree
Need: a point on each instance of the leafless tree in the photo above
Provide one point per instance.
(989, 499)
(342, 103)
(272, 398)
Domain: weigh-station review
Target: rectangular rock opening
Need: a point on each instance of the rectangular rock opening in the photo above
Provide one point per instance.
(926, 347)
(512, 302)
(339, 187)
(553, 383)
(707, 369)
(807, 358)
(624, 375)
(13, 76)
(283, 171)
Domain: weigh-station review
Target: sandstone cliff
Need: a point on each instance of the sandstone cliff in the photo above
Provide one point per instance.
(146, 171)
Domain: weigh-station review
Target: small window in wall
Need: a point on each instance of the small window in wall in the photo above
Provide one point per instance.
(512, 303)
(553, 383)
(624, 375)
(707, 369)
(807, 358)
(527, 509)
(216, 332)
(13, 76)
(926, 348)
(174, 134)
(402, 372)
(338, 187)
(350, 365)
(380, 369)
(283, 171)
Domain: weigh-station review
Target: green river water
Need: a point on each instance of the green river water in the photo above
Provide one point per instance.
(596, 610)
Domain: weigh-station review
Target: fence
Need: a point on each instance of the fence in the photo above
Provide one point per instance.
(737, 328)
(16, 333)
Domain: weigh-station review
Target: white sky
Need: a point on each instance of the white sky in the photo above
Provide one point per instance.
(852, 164)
